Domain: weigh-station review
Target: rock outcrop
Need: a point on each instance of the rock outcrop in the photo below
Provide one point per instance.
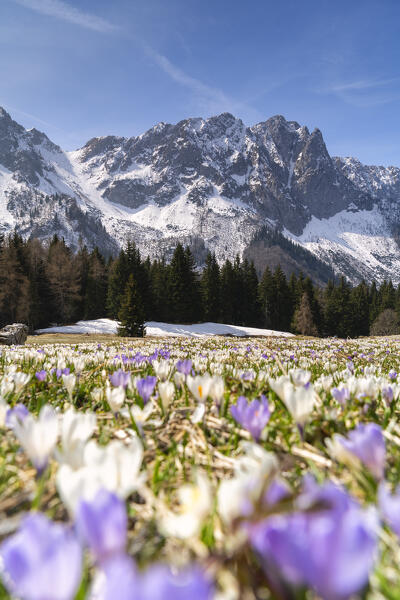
(13, 335)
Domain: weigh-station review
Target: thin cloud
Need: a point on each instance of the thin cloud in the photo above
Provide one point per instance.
(65, 12)
(209, 98)
(362, 84)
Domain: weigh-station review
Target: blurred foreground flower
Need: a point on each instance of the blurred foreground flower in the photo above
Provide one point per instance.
(41, 561)
(330, 548)
(115, 467)
(102, 524)
(38, 437)
(195, 504)
(366, 442)
(123, 581)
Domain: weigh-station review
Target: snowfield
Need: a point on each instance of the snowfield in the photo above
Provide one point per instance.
(153, 328)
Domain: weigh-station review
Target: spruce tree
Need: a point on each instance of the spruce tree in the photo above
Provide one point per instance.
(131, 313)
(211, 289)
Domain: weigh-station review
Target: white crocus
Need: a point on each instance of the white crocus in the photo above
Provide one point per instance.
(299, 401)
(69, 382)
(115, 467)
(195, 503)
(179, 379)
(338, 452)
(162, 369)
(76, 429)
(115, 398)
(217, 388)
(20, 380)
(166, 389)
(38, 437)
(199, 386)
(140, 415)
(4, 407)
(251, 471)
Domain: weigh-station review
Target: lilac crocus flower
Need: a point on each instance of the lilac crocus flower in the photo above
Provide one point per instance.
(41, 375)
(329, 549)
(184, 366)
(146, 386)
(389, 505)
(253, 416)
(102, 524)
(392, 374)
(18, 413)
(123, 581)
(366, 442)
(387, 394)
(341, 394)
(120, 378)
(42, 560)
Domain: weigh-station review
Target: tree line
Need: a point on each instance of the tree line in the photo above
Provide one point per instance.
(47, 283)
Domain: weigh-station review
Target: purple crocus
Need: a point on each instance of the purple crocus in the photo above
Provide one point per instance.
(184, 366)
(102, 524)
(41, 375)
(120, 378)
(42, 560)
(389, 505)
(253, 416)
(341, 394)
(123, 581)
(330, 549)
(146, 386)
(18, 413)
(366, 442)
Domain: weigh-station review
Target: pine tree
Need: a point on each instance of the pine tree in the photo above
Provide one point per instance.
(131, 313)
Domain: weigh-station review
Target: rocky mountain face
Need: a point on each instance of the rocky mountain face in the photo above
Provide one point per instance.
(213, 183)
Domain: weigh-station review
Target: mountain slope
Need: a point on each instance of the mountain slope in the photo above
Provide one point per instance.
(210, 182)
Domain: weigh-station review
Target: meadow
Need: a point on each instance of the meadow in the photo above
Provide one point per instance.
(210, 468)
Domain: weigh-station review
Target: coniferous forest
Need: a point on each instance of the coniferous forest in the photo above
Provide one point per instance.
(47, 283)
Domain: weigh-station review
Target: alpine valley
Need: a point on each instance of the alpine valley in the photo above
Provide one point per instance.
(270, 192)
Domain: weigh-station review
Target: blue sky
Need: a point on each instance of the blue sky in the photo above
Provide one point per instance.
(78, 69)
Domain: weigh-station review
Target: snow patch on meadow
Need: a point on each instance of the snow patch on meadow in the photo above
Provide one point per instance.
(153, 328)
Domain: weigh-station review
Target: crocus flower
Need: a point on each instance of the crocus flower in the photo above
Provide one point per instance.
(115, 398)
(120, 378)
(253, 416)
(41, 375)
(41, 561)
(123, 581)
(69, 383)
(20, 381)
(184, 366)
(146, 386)
(102, 524)
(38, 437)
(341, 394)
(389, 505)
(17, 413)
(166, 389)
(330, 549)
(367, 443)
(76, 429)
(199, 386)
(115, 467)
(195, 504)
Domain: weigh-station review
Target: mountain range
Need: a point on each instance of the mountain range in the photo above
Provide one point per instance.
(270, 192)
